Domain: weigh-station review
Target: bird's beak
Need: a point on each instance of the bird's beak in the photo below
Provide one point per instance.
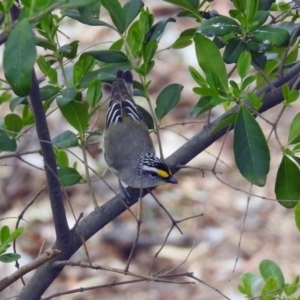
(172, 179)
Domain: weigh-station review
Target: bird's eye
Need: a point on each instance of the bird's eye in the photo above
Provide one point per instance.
(152, 174)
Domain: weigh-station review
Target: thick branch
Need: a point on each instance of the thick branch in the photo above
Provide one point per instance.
(55, 195)
(103, 215)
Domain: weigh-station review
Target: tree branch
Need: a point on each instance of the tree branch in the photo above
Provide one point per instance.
(46, 256)
(59, 216)
(103, 215)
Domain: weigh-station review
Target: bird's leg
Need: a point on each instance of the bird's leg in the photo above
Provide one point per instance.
(124, 194)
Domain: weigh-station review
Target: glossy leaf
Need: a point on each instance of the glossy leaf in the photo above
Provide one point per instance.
(259, 19)
(69, 50)
(109, 56)
(270, 34)
(4, 234)
(147, 117)
(91, 11)
(82, 67)
(291, 288)
(189, 5)
(49, 91)
(167, 99)
(9, 257)
(131, 9)
(243, 64)
(116, 13)
(249, 284)
(157, 29)
(76, 114)
(219, 26)
(68, 176)
(250, 147)
(233, 50)
(62, 159)
(268, 269)
(66, 139)
(76, 3)
(270, 290)
(92, 22)
(265, 4)
(287, 188)
(13, 123)
(297, 215)
(203, 105)
(294, 132)
(210, 60)
(94, 93)
(225, 121)
(7, 143)
(19, 57)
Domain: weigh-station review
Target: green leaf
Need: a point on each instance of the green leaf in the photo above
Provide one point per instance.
(68, 176)
(270, 34)
(7, 143)
(219, 26)
(269, 269)
(294, 132)
(19, 57)
(291, 288)
(167, 99)
(109, 56)
(15, 234)
(249, 284)
(76, 114)
(251, 150)
(69, 50)
(243, 64)
(49, 91)
(94, 92)
(270, 290)
(66, 139)
(92, 22)
(147, 117)
(251, 9)
(4, 234)
(225, 121)
(287, 188)
(116, 13)
(189, 5)
(210, 60)
(248, 80)
(9, 257)
(265, 4)
(82, 67)
(131, 9)
(259, 19)
(197, 77)
(157, 29)
(62, 159)
(13, 123)
(91, 11)
(297, 215)
(203, 105)
(77, 3)
(233, 50)
(255, 101)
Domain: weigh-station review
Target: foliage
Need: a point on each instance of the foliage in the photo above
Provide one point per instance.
(271, 281)
(258, 41)
(6, 237)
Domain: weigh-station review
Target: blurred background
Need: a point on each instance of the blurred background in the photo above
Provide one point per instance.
(216, 239)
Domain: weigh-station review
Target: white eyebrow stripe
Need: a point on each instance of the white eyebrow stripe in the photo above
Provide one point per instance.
(150, 169)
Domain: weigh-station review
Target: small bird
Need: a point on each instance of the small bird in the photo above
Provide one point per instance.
(128, 148)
